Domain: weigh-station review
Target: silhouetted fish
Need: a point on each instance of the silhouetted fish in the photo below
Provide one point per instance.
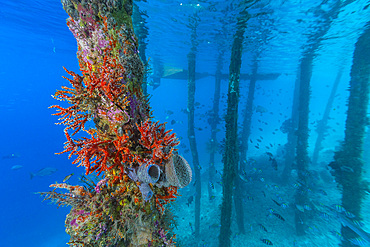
(17, 167)
(279, 216)
(169, 112)
(11, 156)
(279, 204)
(274, 164)
(261, 109)
(358, 241)
(262, 227)
(190, 200)
(47, 171)
(266, 241)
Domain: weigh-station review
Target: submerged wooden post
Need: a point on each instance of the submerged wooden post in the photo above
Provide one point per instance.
(231, 155)
(192, 140)
(306, 63)
(191, 129)
(302, 159)
(349, 157)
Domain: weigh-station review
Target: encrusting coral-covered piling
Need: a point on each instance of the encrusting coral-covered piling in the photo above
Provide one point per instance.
(135, 157)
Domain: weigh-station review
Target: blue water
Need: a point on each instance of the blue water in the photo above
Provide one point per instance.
(35, 44)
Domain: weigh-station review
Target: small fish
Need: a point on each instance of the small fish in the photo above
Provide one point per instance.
(250, 198)
(262, 227)
(68, 177)
(180, 122)
(337, 234)
(274, 164)
(261, 109)
(11, 156)
(338, 208)
(324, 215)
(279, 216)
(354, 226)
(47, 171)
(279, 204)
(300, 207)
(346, 169)
(297, 185)
(190, 200)
(285, 205)
(16, 167)
(266, 241)
(358, 223)
(191, 227)
(169, 112)
(211, 185)
(213, 226)
(358, 241)
(313, 229)
(307, 207)
(349, 214)
(323, 192)
(271, 210)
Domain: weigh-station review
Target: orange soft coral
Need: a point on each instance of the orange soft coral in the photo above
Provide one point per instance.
(169, 196)
(155, 139)
(74, 117)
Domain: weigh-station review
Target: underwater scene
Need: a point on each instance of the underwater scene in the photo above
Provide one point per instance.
(209, 123)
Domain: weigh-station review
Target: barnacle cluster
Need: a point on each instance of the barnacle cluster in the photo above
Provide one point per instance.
(135, 157)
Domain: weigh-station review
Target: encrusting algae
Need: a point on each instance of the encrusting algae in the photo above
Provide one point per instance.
(135, 158)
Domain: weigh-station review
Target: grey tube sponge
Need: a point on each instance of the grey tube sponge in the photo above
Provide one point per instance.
(146, 192)
(148, 173)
